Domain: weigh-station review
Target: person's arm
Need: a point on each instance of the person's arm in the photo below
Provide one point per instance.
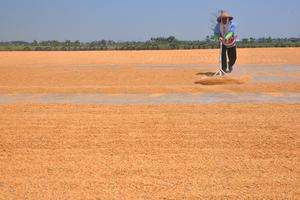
(231, 31)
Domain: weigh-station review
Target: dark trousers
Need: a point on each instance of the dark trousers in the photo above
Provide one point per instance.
(231, 52)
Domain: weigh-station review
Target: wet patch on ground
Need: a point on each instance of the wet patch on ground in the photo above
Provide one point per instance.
(269, 73)
(205, 98)
(258, 73)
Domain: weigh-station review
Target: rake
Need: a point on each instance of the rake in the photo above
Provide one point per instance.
(220, 72)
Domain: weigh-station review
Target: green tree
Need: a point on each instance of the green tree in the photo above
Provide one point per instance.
(171, 39)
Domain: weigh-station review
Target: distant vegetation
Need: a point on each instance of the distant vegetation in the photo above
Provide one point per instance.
(159, 43)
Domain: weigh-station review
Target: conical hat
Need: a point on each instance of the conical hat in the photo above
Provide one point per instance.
(224, 14)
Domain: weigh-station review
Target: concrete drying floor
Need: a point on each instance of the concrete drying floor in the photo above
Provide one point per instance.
(149, 125)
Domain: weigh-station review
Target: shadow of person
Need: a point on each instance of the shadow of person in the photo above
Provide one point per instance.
(209, 74)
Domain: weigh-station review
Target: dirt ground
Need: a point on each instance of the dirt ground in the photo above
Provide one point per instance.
(167, 151)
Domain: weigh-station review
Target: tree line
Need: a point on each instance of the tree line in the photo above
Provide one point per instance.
(158, 43)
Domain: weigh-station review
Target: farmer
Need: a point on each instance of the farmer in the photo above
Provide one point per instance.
(225, 32)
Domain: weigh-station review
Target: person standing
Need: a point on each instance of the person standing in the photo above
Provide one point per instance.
(225, 32)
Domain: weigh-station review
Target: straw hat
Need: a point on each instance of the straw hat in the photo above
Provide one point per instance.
(224, 14)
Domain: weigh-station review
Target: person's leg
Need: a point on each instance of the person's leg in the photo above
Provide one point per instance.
(224, 58)
(232, 57)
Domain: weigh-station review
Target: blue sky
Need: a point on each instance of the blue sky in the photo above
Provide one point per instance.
(122, 20)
